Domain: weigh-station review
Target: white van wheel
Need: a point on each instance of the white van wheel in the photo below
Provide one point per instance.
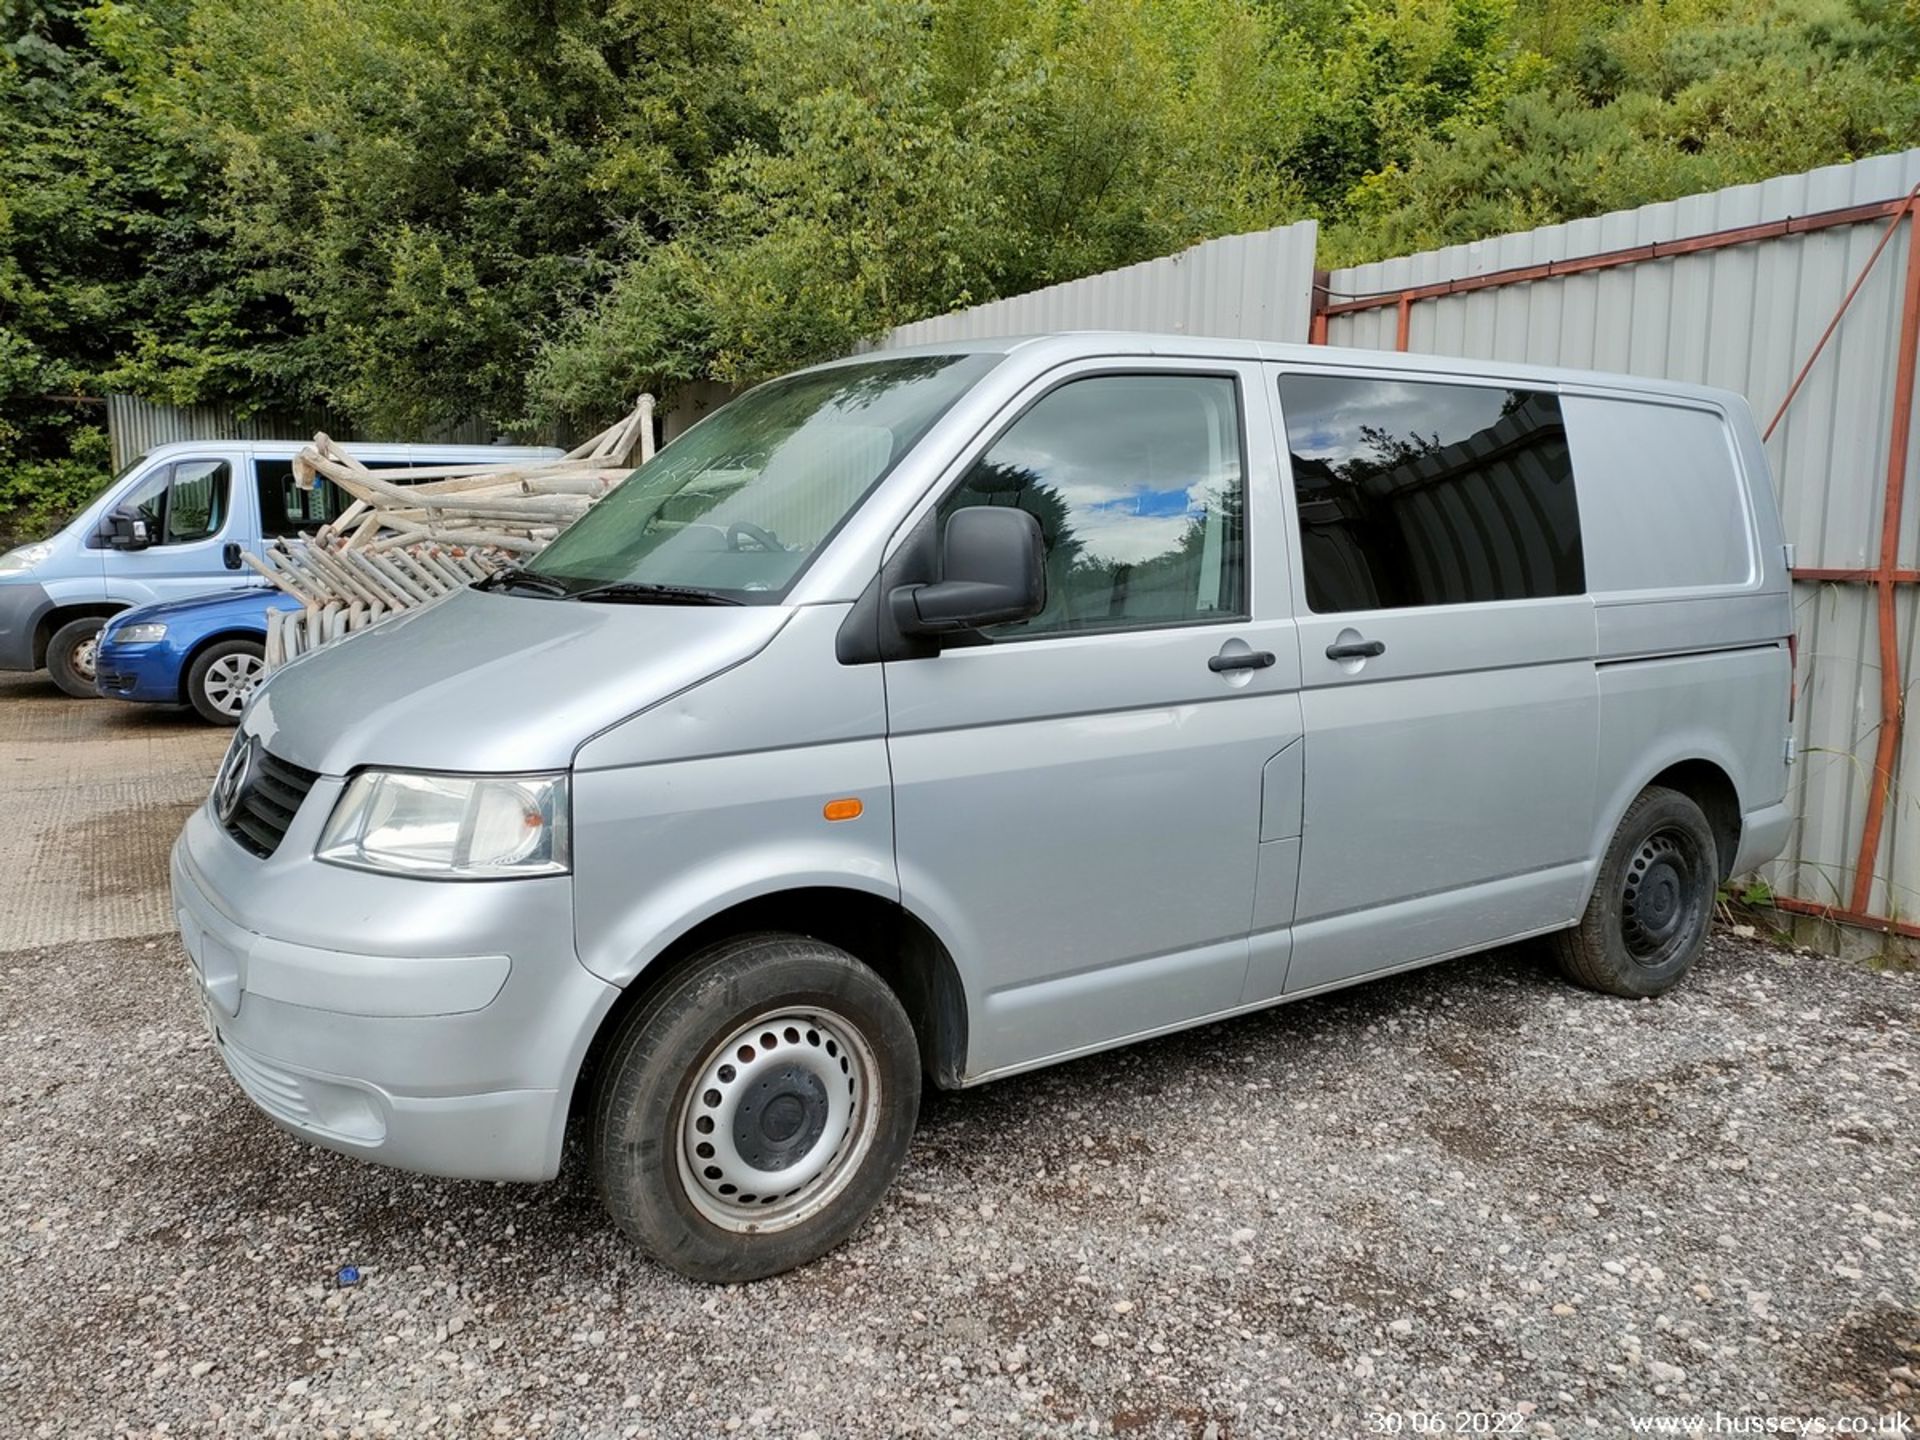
(1652, 904)
(753, 1111)
(70, 656)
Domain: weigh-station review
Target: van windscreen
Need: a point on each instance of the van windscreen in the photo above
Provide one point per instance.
(743, 501)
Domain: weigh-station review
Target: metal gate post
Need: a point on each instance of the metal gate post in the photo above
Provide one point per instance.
(1887, 752)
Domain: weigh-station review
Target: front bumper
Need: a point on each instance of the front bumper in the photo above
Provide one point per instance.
(148, 674)
(436, 1027)
(23, 605)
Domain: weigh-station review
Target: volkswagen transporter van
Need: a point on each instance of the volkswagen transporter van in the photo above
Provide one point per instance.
(934, 715)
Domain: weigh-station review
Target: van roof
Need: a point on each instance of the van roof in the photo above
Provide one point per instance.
(278, 449)
(1064, 346)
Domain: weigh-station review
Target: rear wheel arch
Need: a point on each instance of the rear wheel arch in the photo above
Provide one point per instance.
(881, 933)
(1703, 778)
(1710, 787)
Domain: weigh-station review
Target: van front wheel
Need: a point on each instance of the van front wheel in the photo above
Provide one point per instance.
(753, 1111)
(1652, 904)
(70, 656)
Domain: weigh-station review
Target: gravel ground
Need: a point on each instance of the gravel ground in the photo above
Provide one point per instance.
(1471, 1190)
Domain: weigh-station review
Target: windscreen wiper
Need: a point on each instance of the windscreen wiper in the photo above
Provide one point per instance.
(513, 577)
(636, 592)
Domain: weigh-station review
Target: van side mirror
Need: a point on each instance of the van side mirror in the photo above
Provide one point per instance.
(127, 530)
(993, 570)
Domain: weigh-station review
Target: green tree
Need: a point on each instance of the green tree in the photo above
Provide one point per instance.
(416, 189)
(101, 242)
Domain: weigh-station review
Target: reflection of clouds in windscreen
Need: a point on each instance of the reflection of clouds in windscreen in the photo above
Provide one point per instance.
(1324, 414)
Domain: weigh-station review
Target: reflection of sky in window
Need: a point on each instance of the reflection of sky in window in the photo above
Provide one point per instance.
(1325, 413)
(1135, 462)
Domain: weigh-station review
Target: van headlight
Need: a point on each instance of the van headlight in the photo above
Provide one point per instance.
(450, 827)
(24, 557)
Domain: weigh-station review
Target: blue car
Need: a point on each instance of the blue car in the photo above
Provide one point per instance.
(207, 651)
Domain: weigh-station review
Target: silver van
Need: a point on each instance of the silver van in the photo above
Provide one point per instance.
(952, 712)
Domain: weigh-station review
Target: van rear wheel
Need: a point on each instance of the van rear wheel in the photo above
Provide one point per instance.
(753, 1111)
(1652, 905)
(70, 656)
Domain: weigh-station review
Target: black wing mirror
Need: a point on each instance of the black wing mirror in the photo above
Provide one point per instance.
(993, 570)
(128, 530)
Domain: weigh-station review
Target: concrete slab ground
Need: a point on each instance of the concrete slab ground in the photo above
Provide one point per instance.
(95, 791)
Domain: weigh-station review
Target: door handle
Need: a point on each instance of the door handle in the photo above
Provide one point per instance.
(231, 554)
(1357, 650)
(1245, 660)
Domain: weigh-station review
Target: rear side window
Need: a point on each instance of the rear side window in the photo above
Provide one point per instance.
(1140, 490)
(287, 510)
(1427, 493)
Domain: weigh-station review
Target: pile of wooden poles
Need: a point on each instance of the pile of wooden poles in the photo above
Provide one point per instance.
(410, 537)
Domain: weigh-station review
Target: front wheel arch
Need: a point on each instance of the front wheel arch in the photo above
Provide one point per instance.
(882, 934)
(62, 615)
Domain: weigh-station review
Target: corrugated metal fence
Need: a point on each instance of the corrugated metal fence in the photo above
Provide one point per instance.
(135, 426)
(1257, 286)
(1735, 289)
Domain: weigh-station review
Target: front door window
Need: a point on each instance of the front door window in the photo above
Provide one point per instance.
(182, 502)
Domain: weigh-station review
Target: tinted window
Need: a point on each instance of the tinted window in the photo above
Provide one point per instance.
(1415, 493)
(286, 509)
(1139, 487)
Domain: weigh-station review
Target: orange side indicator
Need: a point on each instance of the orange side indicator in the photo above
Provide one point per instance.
(849, 809)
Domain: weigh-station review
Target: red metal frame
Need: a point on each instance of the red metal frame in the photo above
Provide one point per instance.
(1884, 576)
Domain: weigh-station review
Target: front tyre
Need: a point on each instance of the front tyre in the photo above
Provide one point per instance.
(752, 1111)
(70, 656)
(1652, 904)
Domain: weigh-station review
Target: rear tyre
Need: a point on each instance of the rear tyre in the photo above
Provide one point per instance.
(70, 656)
(752, 1111)
(1652, 904)
(221, 678)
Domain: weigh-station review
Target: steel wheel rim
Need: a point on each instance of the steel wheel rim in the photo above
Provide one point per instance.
(82, 657)
(229, 681)
(771, 1134)
(1660, 897)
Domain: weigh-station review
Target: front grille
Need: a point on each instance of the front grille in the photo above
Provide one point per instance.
(271, 790)
(111, 681)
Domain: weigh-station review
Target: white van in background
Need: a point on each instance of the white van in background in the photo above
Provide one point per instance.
(174, 523)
